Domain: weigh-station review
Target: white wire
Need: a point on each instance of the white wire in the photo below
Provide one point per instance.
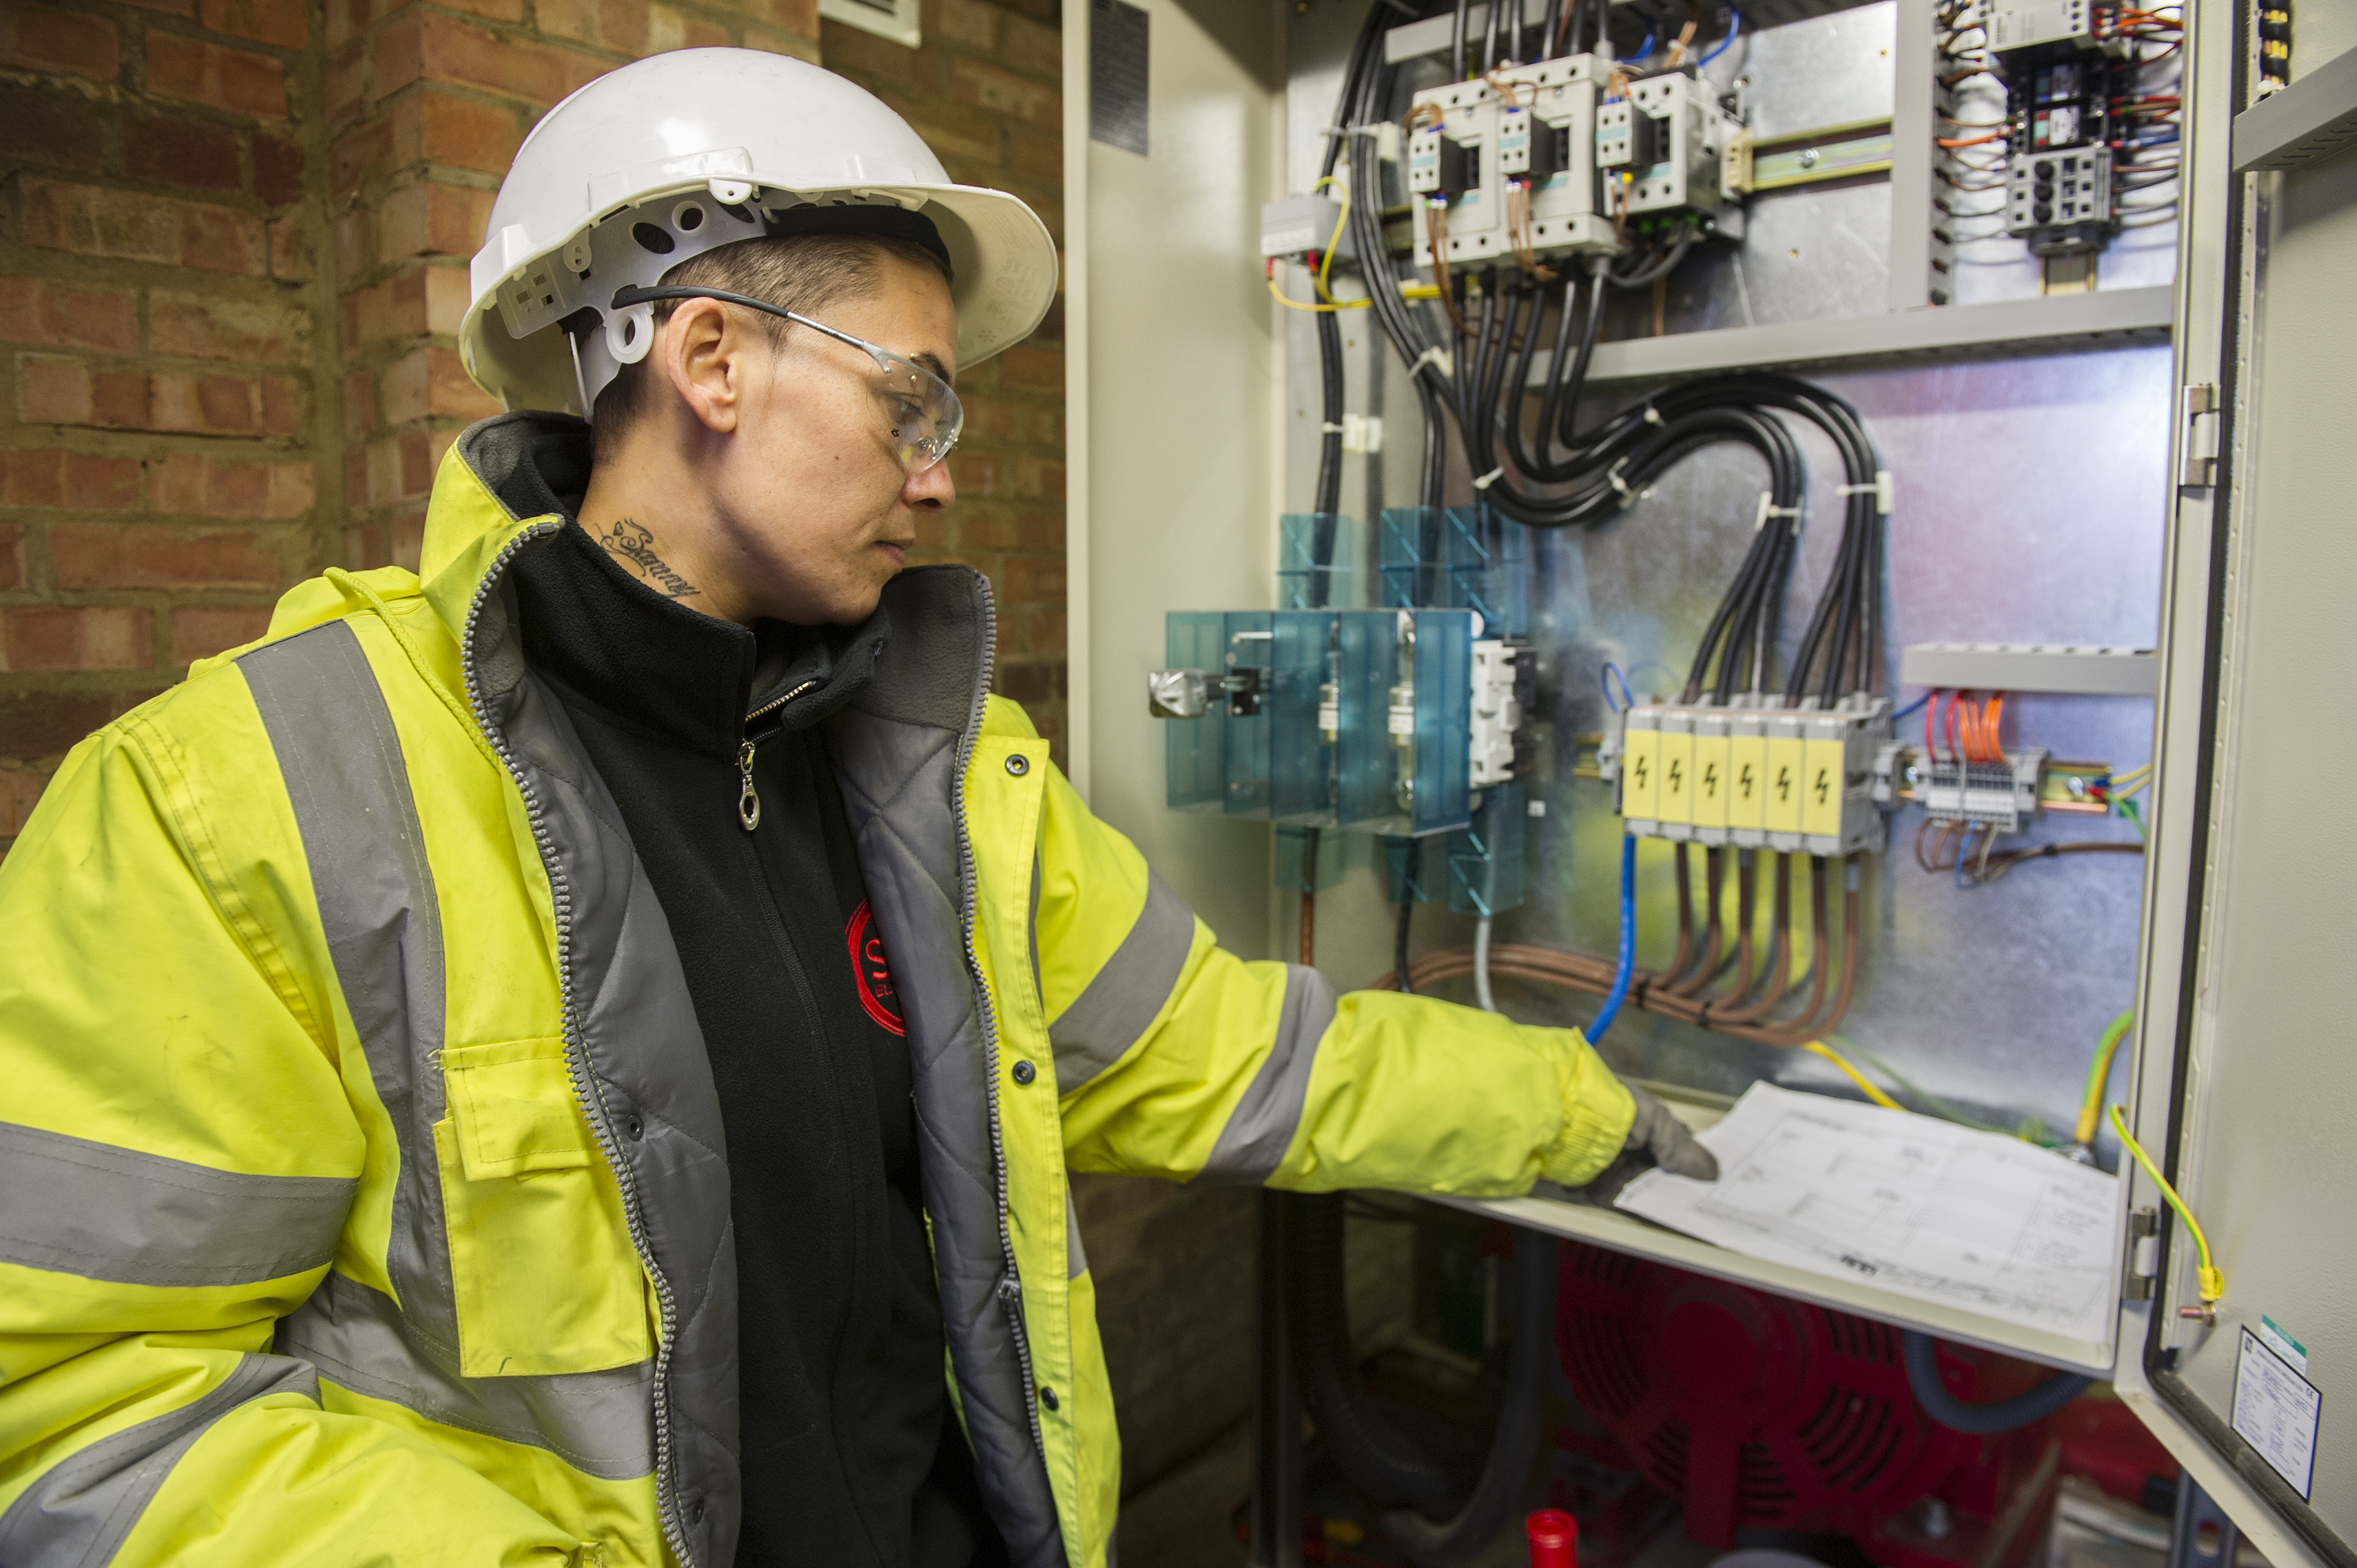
(1481, 965)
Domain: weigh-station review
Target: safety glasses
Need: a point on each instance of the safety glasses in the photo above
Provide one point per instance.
(924, 415)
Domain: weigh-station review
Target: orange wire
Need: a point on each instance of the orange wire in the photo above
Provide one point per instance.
(1970, 141)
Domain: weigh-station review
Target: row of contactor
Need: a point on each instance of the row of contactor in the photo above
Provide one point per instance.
(1661, 148)
(1798, 779)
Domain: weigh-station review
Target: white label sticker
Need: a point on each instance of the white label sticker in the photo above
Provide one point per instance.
(2272, 1335)
(2275, 1411)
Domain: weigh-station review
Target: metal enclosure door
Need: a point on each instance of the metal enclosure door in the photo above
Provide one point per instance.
(2247, 1080)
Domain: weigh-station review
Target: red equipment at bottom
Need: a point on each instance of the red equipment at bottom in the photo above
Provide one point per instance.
(1764, 1414)
(1555, 1539)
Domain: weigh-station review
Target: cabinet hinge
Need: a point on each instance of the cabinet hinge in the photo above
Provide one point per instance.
(2204, 422)
(2143, 1253)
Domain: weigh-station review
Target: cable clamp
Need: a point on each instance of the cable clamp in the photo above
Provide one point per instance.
(1881, 491)
(1492, 477)
(1436, 355)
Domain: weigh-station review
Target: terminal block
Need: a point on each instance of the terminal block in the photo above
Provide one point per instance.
(1757, 776)
(1503, 676)
(2000, 795)
(2061, 202)
(1532, 127)
(1665, 149)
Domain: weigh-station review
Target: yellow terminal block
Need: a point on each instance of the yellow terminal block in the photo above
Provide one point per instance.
(1711, 776)
(1640, 772)
(1676, 797)
(1802, 780)
(1787, 772)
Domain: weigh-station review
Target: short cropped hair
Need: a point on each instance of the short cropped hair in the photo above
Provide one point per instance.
(803, 272)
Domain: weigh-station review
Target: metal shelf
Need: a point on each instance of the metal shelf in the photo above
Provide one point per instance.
(2313, 118)
(2046, 324)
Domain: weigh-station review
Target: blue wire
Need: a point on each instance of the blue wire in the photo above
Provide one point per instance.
(1910, 707)
(1734, 26)
(1645, 49)
(1605, 677)
(1964, 852)
(1628, 962)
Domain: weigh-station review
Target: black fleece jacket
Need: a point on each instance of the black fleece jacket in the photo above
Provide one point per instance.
(848, 1454)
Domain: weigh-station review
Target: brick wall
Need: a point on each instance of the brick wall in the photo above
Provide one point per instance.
(165, 358)
(234, 248)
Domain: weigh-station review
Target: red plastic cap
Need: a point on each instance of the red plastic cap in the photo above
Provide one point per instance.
(1555, 1539)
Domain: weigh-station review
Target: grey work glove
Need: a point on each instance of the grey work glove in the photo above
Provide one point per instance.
(1664, 1137)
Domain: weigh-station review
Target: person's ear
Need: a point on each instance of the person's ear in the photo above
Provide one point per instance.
(704, 357)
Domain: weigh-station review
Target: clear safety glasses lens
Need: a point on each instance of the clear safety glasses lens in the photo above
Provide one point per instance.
(922, 414)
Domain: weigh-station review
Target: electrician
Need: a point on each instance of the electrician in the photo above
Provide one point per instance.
(539, 1060)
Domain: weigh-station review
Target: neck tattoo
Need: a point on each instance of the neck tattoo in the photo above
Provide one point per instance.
(633, 544)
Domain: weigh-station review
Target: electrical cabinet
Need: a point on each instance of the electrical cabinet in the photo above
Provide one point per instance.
(2101, 400)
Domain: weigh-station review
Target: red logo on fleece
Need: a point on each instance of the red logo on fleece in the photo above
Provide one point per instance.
(876, 992)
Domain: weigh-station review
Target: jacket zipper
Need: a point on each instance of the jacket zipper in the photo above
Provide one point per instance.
(576, 1055)
(748, 799)
(1010, 1291)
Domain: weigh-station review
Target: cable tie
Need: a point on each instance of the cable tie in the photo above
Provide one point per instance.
(1492, 477)
(1436, 355)
(1628, 498)
(1653, 415)
(1768, 509)
(1329, 428)
(1881, 491)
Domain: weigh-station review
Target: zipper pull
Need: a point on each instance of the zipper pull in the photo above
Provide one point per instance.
(748, 803)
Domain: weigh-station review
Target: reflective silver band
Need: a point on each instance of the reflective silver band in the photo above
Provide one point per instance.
(103, 1212)
(1120, 1004)
(81, 1508)
(1266, 1119)
(1076, 1257)
(601, 1424)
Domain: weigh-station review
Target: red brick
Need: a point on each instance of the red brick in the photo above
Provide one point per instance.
(12, 555)
(1033, 582)
(237, 80)
(1027, 46)
(1037, 156)
(195, 485)
(346, 19)
(1038, 477)
(130, 226)
(427, 46)
(34, 311)
(52, 389)
(278, 170)
(58, 129)
(45, 722)
(354, 254)
(398, 469)
(865, 57)
(970, 23)
(244, 331)
(347, 84)
(797, 44)
(431, 219)
(1003, 92)
(286, 22)
(195, 153)
(432, 127)
(168, 8)
(146, 555)
(429, 382)
(49, 637)
(42, 38)
(200, 631)
(51, 479)
(20, 789)
(951, 130)
(384, 312)
(290, 248)
(360, 404)
(1026, 369)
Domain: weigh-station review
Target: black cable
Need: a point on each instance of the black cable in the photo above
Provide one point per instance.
(1922, 1354)
(1400, 931)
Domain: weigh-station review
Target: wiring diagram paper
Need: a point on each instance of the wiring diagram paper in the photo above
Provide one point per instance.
(1921, 1207)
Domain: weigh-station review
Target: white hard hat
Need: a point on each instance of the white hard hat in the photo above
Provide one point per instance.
(679, 153)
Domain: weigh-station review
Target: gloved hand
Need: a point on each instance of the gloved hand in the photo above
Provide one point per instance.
(1664, 1137)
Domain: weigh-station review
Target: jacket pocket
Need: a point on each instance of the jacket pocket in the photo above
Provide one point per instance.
(542, 1268)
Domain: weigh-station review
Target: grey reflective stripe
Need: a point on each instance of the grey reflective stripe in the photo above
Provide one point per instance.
(599, 1423)
(75, 1206)
(1076, 1258)
(1121, 1002)
(340, 757)
(1264, 1120)
(77, 1514)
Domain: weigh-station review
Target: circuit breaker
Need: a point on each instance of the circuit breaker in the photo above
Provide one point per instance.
(1664, 148)
(1524, 139)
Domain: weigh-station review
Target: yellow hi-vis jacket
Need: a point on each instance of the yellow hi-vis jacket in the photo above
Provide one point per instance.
(362, 1192)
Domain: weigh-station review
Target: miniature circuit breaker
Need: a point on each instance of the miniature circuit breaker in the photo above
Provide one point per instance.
(1796, 779)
